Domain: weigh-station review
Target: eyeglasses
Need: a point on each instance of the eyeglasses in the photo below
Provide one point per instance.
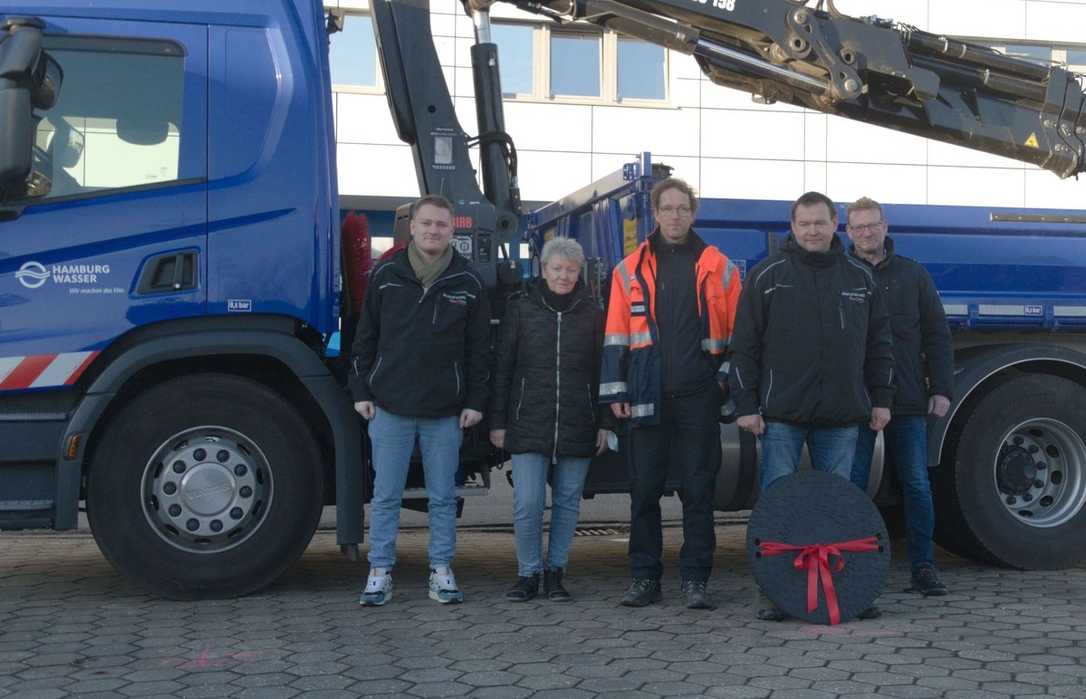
(673, 210)
(869, 227)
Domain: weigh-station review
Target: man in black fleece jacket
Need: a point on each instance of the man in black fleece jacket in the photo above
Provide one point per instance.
(811, 352)
(924, 375)
(419, 369)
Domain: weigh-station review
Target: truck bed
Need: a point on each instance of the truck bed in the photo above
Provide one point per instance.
(997, 269)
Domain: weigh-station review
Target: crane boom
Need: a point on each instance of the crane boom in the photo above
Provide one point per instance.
(868, 69)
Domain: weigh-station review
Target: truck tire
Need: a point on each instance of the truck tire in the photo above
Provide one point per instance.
(1014, 491)
(206, 486)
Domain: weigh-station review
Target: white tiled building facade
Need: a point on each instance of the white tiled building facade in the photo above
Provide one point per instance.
(718, 139)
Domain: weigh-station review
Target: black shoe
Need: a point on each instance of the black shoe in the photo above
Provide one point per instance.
(926, 581)
(524, 589)
(553, 588)
(697, 597)
(642, 592)
(871, 612)
(771, 614)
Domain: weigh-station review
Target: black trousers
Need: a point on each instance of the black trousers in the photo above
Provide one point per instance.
(688, 436)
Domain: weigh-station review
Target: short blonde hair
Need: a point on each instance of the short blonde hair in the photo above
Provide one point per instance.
(864, 204)
(563, 247)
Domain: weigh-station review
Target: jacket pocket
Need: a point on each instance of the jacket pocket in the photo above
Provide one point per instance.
(520, 401)
(459, 380)
(451, 311)
(768, 392)
(591, 405)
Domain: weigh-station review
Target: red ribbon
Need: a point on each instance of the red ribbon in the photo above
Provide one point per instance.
(815, 558)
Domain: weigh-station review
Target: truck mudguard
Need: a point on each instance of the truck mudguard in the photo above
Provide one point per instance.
(262, 336)
(976, 365)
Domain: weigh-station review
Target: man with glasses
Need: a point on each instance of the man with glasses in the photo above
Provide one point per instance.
(669, 319)
(923, 373)
(811, 358)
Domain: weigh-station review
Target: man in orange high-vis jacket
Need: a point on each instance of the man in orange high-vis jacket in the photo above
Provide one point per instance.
(669, 321)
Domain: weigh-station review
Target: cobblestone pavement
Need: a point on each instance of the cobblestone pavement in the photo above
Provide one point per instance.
(70, 626)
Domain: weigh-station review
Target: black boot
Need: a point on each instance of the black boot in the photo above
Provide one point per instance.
(642, 592)
(524, 589)
(553, 588)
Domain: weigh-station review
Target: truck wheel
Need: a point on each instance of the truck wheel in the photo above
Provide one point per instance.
(1016, 490)
(206, 486)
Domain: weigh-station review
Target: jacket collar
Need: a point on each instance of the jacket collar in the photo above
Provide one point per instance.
(402, 265)
(888, 246)
(697, 245)
(534, 290)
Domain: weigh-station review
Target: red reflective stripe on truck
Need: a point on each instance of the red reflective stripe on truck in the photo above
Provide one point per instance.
(43, 370)
(81, 368)
(27, 370)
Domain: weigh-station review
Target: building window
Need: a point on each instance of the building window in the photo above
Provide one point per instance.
(575, 64)
(117, 123)
(353, 53)
(642, 71)
(515, 57)
(1076, 57)
(578, 65)
(1029, 52)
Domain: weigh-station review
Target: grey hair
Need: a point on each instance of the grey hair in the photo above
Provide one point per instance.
(563, 247)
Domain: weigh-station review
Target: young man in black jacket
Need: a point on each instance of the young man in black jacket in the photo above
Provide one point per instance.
(419, 368)
(811, 358)
(923, 373)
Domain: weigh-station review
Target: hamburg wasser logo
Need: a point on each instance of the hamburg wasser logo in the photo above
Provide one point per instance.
(32, 275)
(80, 279)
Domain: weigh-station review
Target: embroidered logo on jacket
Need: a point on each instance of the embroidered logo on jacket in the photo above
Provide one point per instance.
(858, 295)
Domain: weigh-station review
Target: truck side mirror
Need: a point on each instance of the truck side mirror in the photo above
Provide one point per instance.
(29, 80)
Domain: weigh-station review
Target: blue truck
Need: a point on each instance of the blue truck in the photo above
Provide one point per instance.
(171, 282)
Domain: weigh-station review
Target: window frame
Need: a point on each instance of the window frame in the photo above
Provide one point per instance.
(378, 88)
(139, 45)
(541, 72)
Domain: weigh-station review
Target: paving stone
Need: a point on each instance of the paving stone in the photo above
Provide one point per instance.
(440, 689)
(673, 689)
(909, 692)
(143, 689)
(500, 693)
(320, 682)
(1014, 689)
(549, 682)
(738, 692)
(610, 684)
(269, 693)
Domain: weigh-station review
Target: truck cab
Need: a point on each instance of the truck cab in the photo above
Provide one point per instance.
(179, 253)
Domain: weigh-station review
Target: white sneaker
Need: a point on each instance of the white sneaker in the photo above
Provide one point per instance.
(378, 589)
(443, 587)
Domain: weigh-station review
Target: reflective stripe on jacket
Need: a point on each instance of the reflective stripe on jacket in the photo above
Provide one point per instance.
(631, 369)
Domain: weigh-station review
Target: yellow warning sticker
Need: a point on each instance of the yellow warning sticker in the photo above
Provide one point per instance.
(1032, 141)
(629, 235)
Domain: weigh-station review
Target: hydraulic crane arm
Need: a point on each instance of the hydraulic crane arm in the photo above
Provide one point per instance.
(869, 69)
(425, 117)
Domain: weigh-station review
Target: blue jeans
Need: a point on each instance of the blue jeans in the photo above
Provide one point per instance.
(529, 498)
(906, 440)
(393, 440)
(831, 448)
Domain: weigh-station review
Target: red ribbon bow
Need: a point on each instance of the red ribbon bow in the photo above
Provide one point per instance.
(815, 558)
